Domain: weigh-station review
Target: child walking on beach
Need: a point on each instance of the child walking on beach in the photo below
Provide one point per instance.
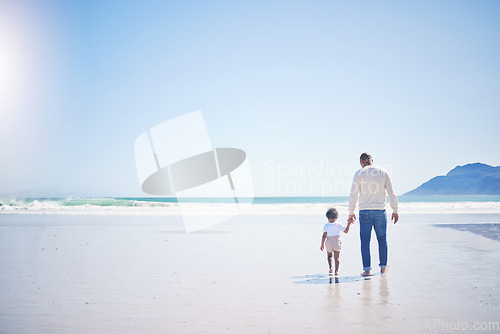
(331, 234)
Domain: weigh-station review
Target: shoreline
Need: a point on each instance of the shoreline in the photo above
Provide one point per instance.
(173, 209)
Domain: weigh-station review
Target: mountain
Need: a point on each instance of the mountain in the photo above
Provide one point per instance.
(470, 179)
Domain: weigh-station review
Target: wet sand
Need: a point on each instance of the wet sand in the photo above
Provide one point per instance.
(251, 274)
(490, 230)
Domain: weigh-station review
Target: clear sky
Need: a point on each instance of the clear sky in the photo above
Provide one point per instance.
(304, 87)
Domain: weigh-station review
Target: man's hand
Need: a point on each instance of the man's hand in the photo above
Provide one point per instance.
(395, 217)
(351, 219)
(322, 247)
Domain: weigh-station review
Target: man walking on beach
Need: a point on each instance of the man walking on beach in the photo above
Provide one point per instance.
(371, 184)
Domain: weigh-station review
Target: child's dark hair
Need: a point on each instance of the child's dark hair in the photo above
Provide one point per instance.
(332, 213)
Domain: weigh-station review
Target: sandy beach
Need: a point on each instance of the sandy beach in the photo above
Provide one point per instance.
(250, 274)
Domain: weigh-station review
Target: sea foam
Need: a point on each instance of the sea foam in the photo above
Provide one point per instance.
(112, 206)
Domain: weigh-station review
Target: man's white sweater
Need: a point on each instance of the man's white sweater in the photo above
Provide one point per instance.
(371, 184)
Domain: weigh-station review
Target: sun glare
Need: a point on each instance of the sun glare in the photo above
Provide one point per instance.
(19, 55)
(9, 85)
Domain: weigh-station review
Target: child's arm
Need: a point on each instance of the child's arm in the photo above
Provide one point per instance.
(348, 225)
(323, 238)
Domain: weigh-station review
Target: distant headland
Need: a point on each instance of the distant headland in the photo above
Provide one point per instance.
(470, 179)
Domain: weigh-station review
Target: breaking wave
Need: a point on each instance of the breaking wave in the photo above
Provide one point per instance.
(172, 206)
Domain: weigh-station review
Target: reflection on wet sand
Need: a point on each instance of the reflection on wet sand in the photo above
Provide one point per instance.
(356, 306)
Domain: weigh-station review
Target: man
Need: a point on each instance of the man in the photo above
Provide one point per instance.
(371, 184)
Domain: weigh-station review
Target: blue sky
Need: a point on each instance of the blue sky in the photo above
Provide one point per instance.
(303, 87)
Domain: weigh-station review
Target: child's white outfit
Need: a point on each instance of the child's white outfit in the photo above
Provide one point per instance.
(333, 242)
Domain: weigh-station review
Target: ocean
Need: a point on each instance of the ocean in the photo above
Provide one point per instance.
(458, 204)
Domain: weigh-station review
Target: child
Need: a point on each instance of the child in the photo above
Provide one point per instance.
(331, 233)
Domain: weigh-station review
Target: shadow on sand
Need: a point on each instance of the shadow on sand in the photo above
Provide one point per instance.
(331, 279)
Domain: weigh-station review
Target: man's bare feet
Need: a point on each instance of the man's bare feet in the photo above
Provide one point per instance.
(336, 273)
(383, 270)
(366, 273)
(330, 271)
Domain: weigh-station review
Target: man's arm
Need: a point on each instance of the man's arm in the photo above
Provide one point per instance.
(393, 199)
(323, 238)
(353, 198)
